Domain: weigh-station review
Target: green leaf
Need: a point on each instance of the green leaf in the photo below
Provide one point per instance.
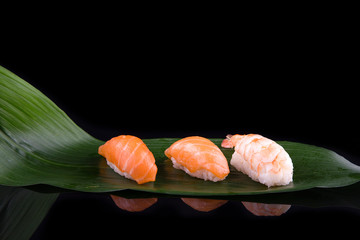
(40, 144)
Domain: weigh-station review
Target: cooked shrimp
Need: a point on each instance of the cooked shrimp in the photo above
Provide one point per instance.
(260, 158)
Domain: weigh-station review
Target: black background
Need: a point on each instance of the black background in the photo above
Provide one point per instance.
(292, 81)
(297, 91)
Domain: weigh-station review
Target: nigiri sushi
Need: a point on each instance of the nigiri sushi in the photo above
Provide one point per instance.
(260, 158)
(129, 156)
(199, 157)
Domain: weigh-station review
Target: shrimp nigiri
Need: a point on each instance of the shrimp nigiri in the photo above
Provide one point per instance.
(129, 156)
(199, 157)
(260, 158)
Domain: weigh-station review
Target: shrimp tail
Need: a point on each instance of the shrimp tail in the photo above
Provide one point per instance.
(226, 143)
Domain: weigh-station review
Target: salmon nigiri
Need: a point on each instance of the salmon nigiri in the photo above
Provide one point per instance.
(130, 157)
(199, 157)
(260, 158)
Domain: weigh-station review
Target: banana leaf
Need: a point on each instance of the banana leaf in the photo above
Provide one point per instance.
(40, 144)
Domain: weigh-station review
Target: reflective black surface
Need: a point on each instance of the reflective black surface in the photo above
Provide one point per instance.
(47, 213)
(174, 89)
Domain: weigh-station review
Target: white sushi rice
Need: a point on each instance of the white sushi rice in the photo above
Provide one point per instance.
(267, 177)
(202, 173)
(117, 170)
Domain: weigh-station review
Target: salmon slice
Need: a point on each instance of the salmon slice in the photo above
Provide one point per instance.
(199, 157)
(129, 156)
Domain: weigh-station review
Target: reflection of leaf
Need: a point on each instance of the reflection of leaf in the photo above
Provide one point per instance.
(39, 144)
(21, 211)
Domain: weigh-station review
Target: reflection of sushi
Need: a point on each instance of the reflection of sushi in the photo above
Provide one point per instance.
(261, 159)
(204, 205)
(264, 209)
(199, 157)
(130, 157)
(133, 205)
